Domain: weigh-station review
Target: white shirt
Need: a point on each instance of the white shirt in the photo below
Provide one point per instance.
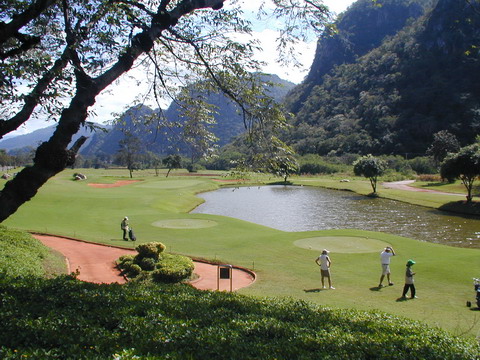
(323, 261)
(385, 257)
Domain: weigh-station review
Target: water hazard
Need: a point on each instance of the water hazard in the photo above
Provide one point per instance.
(294, 208)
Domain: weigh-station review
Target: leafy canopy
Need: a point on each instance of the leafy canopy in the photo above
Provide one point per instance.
(56, 57)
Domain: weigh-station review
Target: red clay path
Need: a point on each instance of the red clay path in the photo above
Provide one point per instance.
(96, 263)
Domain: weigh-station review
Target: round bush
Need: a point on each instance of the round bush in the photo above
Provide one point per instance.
(173, 268)
(150, 250)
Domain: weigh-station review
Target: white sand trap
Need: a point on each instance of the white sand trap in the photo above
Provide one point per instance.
(342, 244)
(184, 223)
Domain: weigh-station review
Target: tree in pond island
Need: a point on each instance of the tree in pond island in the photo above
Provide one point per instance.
(463, 165)
(58, 56)
(371, 168)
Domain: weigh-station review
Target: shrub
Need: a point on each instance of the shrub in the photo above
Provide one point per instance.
(315, 164)
(152, 264)
(429, 178)
(147, 264)
(150, 250)
(423, 165)
(70, 319)
(173, 268)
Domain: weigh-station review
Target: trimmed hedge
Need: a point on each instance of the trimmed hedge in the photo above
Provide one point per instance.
(69, 319)
(152, 263)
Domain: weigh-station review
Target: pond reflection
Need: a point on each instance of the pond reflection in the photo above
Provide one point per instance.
(294, 208)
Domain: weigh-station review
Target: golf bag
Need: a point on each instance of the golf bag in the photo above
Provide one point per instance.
(131, 235)
(476, 284)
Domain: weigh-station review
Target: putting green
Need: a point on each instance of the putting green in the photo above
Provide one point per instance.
(185, 223)
(342, 244)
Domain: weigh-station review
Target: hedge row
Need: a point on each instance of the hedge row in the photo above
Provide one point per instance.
(64, 318)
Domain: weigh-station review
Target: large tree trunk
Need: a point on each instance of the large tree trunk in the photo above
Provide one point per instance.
(53, 156)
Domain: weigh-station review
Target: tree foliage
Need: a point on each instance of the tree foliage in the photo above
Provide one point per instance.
(443, 143)
(58, 56)
(129, 152)
(172, 162)
(463, 165)
(371, 168)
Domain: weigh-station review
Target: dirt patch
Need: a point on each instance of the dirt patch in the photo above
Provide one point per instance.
(96, 263)
(115, 184)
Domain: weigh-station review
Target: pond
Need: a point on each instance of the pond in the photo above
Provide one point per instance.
(302, 208)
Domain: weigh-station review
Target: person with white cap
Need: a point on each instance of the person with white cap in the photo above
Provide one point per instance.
(124, 227)
(324, 262)
(385, 256)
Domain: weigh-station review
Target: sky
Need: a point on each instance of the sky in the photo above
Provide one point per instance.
(124, 91)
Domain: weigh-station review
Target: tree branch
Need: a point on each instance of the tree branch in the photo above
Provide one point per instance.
(11, 29)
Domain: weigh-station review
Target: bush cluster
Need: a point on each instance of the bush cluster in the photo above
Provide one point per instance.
(70, 319)
(152, 263)
(315, 164)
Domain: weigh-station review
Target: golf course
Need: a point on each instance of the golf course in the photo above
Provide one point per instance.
(158, 210)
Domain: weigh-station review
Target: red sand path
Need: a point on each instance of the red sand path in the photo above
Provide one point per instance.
(96, 263)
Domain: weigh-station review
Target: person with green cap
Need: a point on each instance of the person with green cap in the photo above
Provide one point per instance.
(409, 282)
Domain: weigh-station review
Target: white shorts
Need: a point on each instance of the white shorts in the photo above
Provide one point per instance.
(385, 269)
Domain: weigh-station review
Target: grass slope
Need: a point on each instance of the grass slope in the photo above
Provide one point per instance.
(443, 278)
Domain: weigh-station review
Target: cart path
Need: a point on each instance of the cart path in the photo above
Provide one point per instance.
(405, 185)
(96, 263)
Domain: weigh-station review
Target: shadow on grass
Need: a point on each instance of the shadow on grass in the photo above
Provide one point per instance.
(376, 288)
(313, 290)
(402, 298)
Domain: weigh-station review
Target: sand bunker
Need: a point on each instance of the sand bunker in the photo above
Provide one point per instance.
(185, 223)
(342, 244)
(115, 184)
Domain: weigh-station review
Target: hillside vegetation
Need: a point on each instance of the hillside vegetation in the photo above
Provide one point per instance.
(395, 97)
(69, 319)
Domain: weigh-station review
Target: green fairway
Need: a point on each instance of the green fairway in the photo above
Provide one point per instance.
(284, 261)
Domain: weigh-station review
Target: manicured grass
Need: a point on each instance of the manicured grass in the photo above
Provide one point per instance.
(70, 208)
(21, 255)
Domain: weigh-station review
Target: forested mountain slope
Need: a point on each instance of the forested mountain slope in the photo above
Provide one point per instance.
(361, 28)
(159, 138)
(394, 98)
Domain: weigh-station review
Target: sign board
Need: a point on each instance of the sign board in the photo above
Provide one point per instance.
(225, 272)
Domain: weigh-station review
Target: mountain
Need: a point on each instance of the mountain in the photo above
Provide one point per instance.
(357, 31)
(150, 125)
(395, 97)
(36, 137)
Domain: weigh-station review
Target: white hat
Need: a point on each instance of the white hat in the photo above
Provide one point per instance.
(126, 218)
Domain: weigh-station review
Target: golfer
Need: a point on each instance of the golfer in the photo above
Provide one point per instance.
(385, 256)
(124, 227)
(409, 281)
(324, 262)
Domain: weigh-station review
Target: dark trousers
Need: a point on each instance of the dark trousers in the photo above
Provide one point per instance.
(412, 290)
(125, 234)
